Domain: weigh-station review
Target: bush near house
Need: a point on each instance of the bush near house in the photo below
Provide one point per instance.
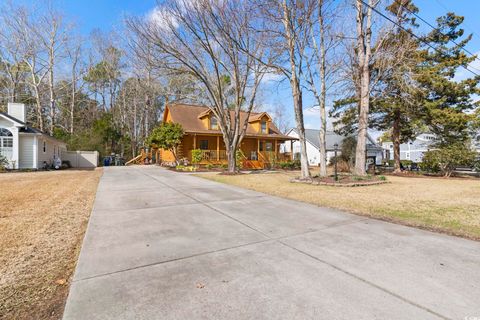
(447, 158)
(167, 136)
(289, 165)
(196, 156)
(3, 163)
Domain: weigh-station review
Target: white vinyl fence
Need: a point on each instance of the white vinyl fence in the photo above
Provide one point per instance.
(81, 159)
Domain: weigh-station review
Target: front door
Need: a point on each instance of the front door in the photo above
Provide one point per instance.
(268, 146)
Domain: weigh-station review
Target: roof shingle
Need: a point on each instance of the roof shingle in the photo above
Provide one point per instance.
(189, 116)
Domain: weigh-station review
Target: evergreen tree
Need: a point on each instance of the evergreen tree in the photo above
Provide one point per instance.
(396, 107)
(447, 102)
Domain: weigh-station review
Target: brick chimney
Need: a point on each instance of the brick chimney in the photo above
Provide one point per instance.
(18, 111)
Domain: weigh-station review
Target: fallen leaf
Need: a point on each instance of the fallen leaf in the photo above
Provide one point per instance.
(200, 285)
(61, 281)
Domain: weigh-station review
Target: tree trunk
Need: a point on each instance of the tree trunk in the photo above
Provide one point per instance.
(323, 94)
(39, 109)
(396, 143)
(231, 158)
(74, 91)
(297, 105)
(296, 90)
(360, 152)
(72, 108)
(364, 52)
(52, 100)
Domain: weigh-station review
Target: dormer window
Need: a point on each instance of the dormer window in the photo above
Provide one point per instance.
(264, 127)
(214, 123)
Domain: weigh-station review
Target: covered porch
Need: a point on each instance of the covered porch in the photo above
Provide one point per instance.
(257, 152)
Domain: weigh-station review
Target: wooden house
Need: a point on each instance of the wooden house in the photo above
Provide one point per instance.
(260, 147)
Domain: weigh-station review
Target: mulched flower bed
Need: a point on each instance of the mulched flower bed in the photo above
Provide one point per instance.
(344, 181)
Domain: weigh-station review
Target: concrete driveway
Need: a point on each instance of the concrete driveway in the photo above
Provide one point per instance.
(163, 245)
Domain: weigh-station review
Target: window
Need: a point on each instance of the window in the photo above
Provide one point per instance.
(204, 144)
(6, 142)
(268, 146)
(5, 133)
(214, 123)
(264, 126)
(260, 146)
(6, 138)
(44, 146)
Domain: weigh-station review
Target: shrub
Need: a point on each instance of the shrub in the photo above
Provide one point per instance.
(343, 166)
(185, 168)
(209, 166)
(196, 156)
(446, 158)
(167, 136)
(289, 165)
(404, 163)
(239, 158)
(3, 163)
(382, 178)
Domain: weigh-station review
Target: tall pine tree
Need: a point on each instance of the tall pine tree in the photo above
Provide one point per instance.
(396, 104)
(447, 102)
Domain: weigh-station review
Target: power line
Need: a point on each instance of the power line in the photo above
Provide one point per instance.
(448, 10)
(462, 47)
(413, 34)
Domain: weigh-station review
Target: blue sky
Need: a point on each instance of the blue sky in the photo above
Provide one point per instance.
(106, 15)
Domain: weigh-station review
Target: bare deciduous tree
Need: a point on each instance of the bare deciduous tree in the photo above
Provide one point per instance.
(364, 53)
(74, 52)
(322, 66)
(286, 26)
(209, 40)
(51, 32)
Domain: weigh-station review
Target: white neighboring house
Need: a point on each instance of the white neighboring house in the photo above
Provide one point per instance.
(23, 146)
(414, 149)
(312, 136)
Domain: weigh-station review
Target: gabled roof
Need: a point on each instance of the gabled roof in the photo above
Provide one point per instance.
(258, 116)
(28, 130)
(331, 138)
(9, 117)
(189, 116)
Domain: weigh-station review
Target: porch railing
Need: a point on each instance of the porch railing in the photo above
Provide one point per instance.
(271, 156)
(213, 155)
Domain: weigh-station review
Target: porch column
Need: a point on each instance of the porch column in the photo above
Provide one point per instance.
(35, 152)
(275, 147)
(258, 146)
(195, 141)
(15, 148)
(291, 150)
(218, 148)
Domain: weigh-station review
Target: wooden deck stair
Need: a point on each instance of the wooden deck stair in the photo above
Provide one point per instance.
(140, 159)
(253, 164)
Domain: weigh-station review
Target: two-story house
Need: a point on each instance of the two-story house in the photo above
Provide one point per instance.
(260, 146)
(412, 150)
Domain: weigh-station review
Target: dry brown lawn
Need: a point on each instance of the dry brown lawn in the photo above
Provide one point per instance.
(445, 205)
(43, 217)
